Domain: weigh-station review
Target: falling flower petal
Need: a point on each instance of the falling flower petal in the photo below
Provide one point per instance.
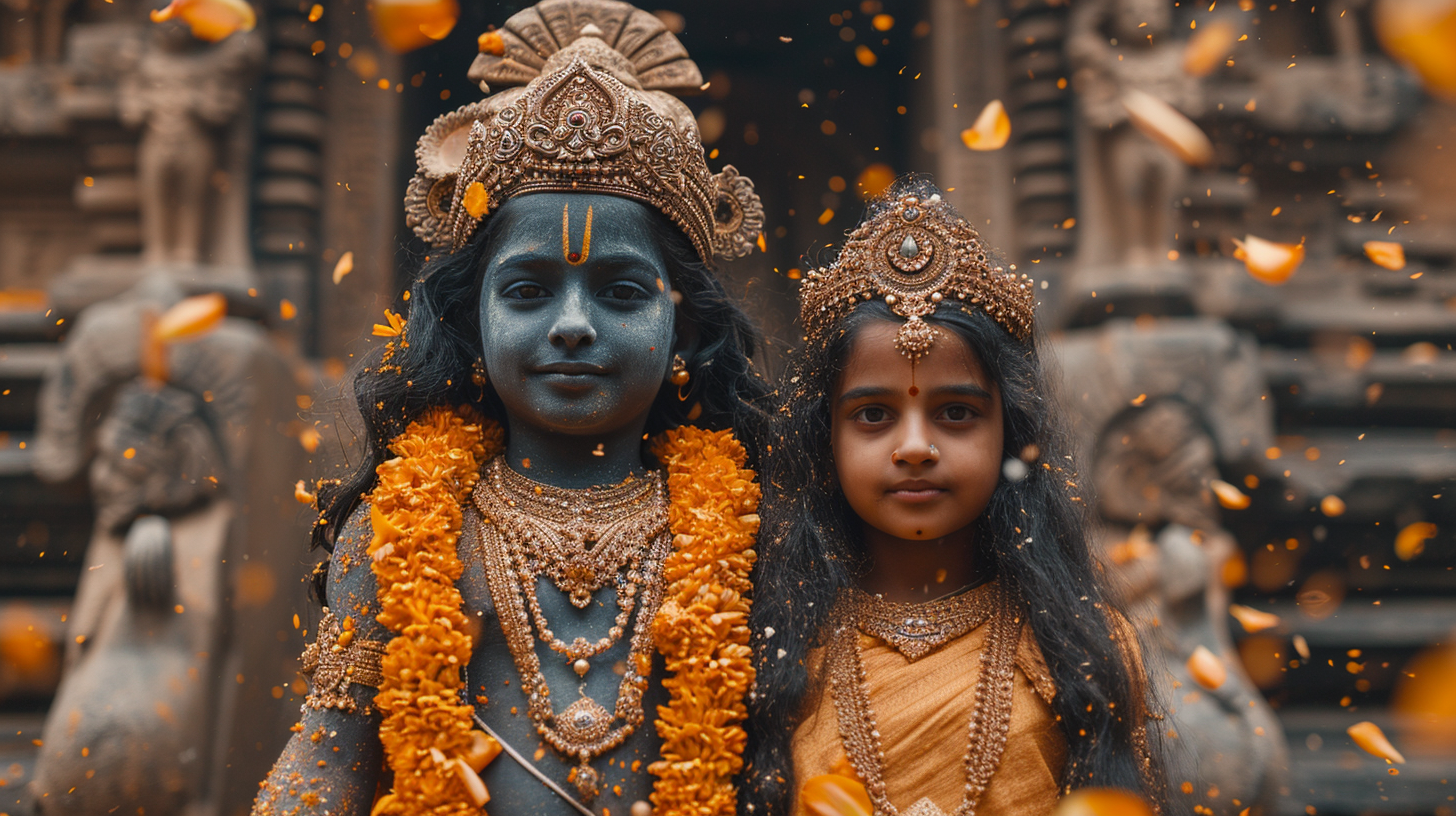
(1206, 668)
(835, 795)
(344, 266)
(1229, 497)
(1411, 540)
(1425, 700)
(395, 327)
(1422, 34)
(286, 309)
(315, 13)
(1207, 49)
(301, 494)
(1332, 506)
(483, 749)
(1253, 620)
(762, 243)
(1388, 254)
(491, 42)
(873, 180)
(404, 25)
(472, 784)
(991, 130)
(1372, 740)
(1102, 802)
(1267, 261)
(210, 20)
(1163, 124)
(476, 200)
(309, 439)
(190, 318)
(1302, 646)
(1423, 353)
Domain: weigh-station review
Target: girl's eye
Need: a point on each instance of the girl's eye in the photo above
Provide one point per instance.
(525, 291)
(958, 413)
(624, 291)
(872, 415)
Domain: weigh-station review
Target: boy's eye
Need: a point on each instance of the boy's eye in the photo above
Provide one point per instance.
(624, 291)
(525, 291)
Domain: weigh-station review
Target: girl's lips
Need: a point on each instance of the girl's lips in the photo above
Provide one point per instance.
(917, 495)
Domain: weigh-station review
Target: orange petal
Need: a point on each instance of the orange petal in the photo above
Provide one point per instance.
(191, 317)
(286, 309)
(1411, 540)
(835, 795)
(210, 20)
(1369, 737)
(483, 749)
(1301, 646)
(1422, 34)
(762, 243)
(309, 439)
(1163, 124)
(991, 130)
(394, 327)
(344, 266)
(1206, 668)
(1208, 48)
(315, 13)
(873, 180)
(301, 494)
(1332, 506)
(1388, 254)
(1423, 353)
(1229, 496)
(1102, 802)
(404, 25)
(491, 43)
(476, 200)
(1267, 261)
(473, 786)
(1253, 620)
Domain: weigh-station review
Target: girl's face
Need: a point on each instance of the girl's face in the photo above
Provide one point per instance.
(917, 451)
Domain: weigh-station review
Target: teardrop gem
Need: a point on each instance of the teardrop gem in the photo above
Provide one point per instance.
(909, 249)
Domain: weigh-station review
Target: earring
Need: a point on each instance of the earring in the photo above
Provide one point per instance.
(680, 375)
(477, 373)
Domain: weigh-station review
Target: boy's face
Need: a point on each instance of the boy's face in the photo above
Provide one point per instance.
(917, 450)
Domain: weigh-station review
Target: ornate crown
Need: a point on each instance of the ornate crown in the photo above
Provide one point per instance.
(914, 252)
(595, 115)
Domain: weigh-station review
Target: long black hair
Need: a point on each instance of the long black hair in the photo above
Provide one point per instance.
(1032, 534)
(430, 364)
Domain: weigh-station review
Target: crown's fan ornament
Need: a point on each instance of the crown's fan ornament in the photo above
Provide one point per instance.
(588, 106)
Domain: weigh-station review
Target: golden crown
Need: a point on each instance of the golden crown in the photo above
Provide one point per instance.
(914, 252)
(595, 115)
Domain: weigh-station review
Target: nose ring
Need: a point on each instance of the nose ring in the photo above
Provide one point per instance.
(934, 453)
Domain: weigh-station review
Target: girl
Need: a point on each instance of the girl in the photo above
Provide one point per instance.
(925, 567)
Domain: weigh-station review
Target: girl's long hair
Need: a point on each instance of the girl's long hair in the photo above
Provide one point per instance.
(1033, 533)
(443, 334)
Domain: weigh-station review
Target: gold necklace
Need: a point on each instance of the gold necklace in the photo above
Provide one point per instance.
(916, 629)
(533, 531)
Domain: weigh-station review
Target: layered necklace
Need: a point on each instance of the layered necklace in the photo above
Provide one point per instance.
(582, 540)
(914, 630)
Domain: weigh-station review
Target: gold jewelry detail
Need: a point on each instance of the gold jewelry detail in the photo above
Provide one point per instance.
(596, 116)
(531, 529)
(680, 375)
(335, 660)
(911, 628)
(914, 253)
(478, 374)
(575, 258)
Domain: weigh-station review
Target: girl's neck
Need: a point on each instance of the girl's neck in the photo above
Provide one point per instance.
(913, 571)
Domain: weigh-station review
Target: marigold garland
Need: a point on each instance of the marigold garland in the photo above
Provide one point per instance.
(416, 516)
(701, 628)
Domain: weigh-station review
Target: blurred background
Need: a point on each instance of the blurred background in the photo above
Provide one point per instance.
(1239, 215)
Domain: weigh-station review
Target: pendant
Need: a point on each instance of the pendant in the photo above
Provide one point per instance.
(924, 807)
(587, 781)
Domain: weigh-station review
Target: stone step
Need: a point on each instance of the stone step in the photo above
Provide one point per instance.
(1358, 385)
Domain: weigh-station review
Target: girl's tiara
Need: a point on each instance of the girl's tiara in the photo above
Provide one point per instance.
(914, 253)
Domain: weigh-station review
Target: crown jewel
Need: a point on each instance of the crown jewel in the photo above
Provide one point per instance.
(914, 253)
(594, 116)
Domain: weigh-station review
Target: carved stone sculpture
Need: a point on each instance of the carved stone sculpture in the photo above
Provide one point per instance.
(174, 639)
(1158, 409)
(181, 93)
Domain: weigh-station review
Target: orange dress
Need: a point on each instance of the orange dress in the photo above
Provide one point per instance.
(923, 710)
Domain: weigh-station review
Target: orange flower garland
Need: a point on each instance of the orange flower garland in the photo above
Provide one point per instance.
(415, 511)
(702, 627)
